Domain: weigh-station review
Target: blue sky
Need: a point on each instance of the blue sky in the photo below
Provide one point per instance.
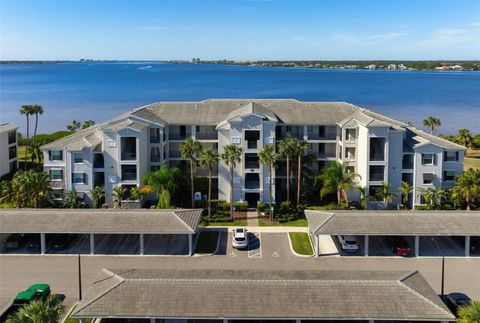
(241, 30)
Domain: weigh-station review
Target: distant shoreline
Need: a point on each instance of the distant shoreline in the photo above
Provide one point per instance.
(435, 65)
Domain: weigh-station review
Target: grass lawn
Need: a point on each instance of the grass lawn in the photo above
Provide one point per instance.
(301, 243)
(471, 163)
(207, 242)
(237, 223)
(294, 223)
(70, 320)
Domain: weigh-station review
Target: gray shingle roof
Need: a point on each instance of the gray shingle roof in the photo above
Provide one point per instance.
(265, 294)
(7, 127)
(394, 222)
(99, 221)
(420, 138)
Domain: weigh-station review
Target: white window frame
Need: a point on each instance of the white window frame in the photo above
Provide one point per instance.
(423, 178)
(83, 178)
(450, 171)
(73, 157)
(429, 164)
(53, 151)
(56, 179)
(58, 189)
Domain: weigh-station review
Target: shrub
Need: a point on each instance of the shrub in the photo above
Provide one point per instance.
(240, 206)
(164, 200)
(261, 207)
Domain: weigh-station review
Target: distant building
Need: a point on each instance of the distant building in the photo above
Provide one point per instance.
(401, 67)
(370, 67)
(391, 67)
(8, 149)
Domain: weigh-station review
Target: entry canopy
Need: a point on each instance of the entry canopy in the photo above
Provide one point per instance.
(261, 294)
(425, 223)
(106, 221)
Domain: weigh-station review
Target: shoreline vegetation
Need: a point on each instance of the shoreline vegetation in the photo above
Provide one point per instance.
(437, 65)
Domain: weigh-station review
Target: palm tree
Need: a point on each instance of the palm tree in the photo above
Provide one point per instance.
(467, 187)
(74, 126)
(469, 313)
(118, 192)
(405, 189)
(385, 193)
(269, 157)
(336, 178)
(189, 150)
(162, 180)
(36, 110)
(364, 198)
(300, 147)
(98, 193)
(231, 156)
(209, 160)
(464, 138)
(71, 199)
(286, 148)
(432, 123)
(27, 111)
(38, 184)
(47, 311)
(433, 197)
(87, 123)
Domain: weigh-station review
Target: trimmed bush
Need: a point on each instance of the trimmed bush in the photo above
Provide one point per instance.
(241, 206)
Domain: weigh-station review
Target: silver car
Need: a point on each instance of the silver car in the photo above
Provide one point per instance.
(239, 238)
(349, 243)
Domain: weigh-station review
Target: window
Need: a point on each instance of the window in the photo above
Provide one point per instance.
(450, 156)
(56, 174)
(12, 152)
(79, 178)
(78, 158)
(56, 155)
(235, 140)
(57, 193)
(429, 159)
(448, 175)
(12, 137)
(428, 178)
(377, 173)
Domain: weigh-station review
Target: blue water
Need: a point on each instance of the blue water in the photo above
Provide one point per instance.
(99, 91)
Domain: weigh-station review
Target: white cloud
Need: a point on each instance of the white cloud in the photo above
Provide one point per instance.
(369, 39)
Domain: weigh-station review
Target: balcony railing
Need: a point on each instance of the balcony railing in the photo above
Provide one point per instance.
(203, 172)
(328, 154)
(252, 144)
(206, 136)
(155, 139)
(324, 136)
(407, 164)
(178, 136)
(129, 156)
(174, 154)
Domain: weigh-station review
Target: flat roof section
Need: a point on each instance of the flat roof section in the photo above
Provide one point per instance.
(262, 294)
(106, 221)
(426, 223)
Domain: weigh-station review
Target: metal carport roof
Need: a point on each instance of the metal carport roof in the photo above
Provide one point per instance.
(426, 223)
(107, 221)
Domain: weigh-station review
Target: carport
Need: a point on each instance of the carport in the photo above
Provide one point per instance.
(136, 223)
(415, 224)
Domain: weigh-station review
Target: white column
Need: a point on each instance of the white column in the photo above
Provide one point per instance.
(142, 245)
(42, 243)
(417, 246)
(152, 320)
(366, 247)
(298, 321)
(317, 245)
(190, 244)
(467, 246)
(92, 244)
(225, 320)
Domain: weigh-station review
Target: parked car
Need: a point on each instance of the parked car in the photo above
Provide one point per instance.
(32, 242)
(349, 243)
(240, 238)
(14, 241)
(32, 293)
(399, 245)
(455, 300)
(63, 241)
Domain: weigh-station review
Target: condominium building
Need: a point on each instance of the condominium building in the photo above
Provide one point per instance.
(122, 150)
(8, 149)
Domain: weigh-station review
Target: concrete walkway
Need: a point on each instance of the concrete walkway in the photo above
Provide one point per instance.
(278, 229)
(252, 219)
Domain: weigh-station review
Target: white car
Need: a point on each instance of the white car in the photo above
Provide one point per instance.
(349, 243)
(239, 238)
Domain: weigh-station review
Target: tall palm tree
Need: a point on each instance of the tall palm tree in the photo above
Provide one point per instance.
(464, 138)
(385, 193)
(300, 147)
(27, 111)
(74, 126)
(87, 123)
(336, 178)
(433, 197)
(98, 193)
(47, 311)
(405, 189)
(286, 148)
(162, 180)
(36, 110)
(38, 184)
(469, 313)
(231, 156)
(467, 187)
(269, 157)
(189, 149)
(364, 198)
(432, 123)
(209, 160)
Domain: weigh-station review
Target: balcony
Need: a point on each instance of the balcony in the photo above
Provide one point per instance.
(252, 137)
(326, 154)
(174, 154)
(129, 173)
(203, 172)
(12, 152)
(350, 136)
(155, 136)
(294, 131)
(128, 148)
(407, 162)
(179, 132)
(98, 161)
(320, 136)
(377, 149)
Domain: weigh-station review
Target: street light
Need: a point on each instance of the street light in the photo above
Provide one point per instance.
(442, 294)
